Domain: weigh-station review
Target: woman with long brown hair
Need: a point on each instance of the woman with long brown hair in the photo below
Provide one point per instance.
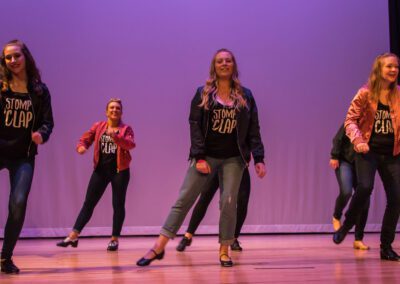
(373, 126)
(224, 132)
(26, 122)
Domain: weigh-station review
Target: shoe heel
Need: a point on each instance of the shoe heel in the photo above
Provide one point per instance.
(65, 244)
(225, 263)
(160, 255)
(185, 242)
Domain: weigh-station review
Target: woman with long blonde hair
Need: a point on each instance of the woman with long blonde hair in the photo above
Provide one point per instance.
(224, 132)
(373, 126)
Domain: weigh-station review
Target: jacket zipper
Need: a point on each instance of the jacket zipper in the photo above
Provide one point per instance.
(117, 158)
(205, 134)
(118, 150)
(33, 125)
(237, 141)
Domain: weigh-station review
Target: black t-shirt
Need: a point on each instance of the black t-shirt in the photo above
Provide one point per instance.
(382, 138)
(221, 140)
(108, 154)
(16, 125)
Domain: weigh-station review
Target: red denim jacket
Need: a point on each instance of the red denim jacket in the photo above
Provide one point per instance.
(124, 141)
(361, 116)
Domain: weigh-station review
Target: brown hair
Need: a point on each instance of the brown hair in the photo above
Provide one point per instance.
(114, 100)
(375, 78)
(211, 86)
(32, 72)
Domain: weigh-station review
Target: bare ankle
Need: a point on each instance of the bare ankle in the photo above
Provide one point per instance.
(224, 249)
(73, 235)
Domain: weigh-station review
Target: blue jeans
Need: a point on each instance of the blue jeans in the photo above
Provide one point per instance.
(388, 167)
(21, 174)
(347, 179)
(199, 211)
(230, 173)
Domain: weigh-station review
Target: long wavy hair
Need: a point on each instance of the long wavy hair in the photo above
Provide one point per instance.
(32, 72)
(375, 78)
(211, 87)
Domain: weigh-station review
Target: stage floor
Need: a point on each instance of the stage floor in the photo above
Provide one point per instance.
(265, 259)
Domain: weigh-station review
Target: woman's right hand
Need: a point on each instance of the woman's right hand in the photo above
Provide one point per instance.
(81, 150)
(334, 163)
(203, 167)
(361, 148)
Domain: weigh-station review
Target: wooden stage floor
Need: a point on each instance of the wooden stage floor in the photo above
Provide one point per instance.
(265, 259)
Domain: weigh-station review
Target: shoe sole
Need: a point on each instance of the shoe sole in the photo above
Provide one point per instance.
(388, 259)
(360, 248)
(5, 272)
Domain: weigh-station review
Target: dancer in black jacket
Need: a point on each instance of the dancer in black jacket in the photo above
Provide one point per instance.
(26, 121)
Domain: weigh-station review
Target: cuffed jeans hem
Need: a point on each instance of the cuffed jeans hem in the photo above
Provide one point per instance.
(167, 233)
(226, 242)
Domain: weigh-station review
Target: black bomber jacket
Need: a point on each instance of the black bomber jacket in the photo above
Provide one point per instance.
(248, 129)
(43, 117)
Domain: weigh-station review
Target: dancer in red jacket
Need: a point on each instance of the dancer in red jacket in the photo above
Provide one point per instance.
(112, 141)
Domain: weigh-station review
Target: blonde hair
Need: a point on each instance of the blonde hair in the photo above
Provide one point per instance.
(211, 86)
(375, 78)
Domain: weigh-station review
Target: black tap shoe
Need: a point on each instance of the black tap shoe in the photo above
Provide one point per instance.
(68, 242)
(112, 246)
(389, 254)
(185, 242)
(8, 266)
(146, 261)
(236, 246)
(339, 235)
(225, 263)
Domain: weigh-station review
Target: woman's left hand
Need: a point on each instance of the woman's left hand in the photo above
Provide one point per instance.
(203, 167)
(37, 138)
(260, 170)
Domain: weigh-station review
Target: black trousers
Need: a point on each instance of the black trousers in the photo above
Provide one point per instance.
(388, 167)
(204, 201)
(97, 185)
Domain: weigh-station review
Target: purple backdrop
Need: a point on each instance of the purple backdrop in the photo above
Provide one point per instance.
(303, 59)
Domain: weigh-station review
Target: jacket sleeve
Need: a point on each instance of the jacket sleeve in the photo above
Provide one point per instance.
(337, 143)
(197, 147)
(254, 136)
(353, 116)
(87, 138)
(125, 141)
(47, 123)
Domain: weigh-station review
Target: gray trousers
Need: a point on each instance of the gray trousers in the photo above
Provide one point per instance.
(230, 173)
